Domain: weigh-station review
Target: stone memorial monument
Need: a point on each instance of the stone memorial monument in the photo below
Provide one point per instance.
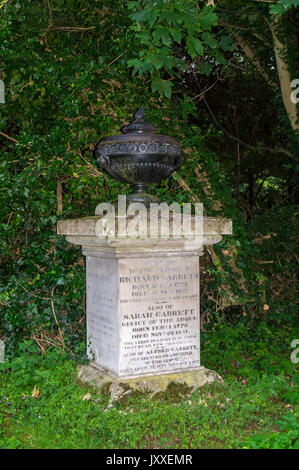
(142, 271)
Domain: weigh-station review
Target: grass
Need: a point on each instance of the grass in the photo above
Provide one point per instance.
(42, 405)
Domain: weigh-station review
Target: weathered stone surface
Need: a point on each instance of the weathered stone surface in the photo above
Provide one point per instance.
(154, 384)
(143, 315)
(83, 232)
(142, 308)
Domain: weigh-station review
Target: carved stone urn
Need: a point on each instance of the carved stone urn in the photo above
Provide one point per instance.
(139, 156)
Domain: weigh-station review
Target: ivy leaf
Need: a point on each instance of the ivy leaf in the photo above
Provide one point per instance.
(188, 18)
(140, 67)
(208, 18)
(157, 61)
(287, 3)
(176, 34)
(163, 87)
(194, 46)
(220, 57)
(166, 38)
(139, 16)
(144, 37)
(162, 34)
(205, 68)
(282, 6)
(133, 5)
(276, 9)
(171, 18)
(226, 43)
(146, 16)
(134, 63)
(145, 67)
(209, 39)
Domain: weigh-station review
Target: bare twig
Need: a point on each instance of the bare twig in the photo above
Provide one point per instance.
(244, 28)
(33, 295)
(264, 237)
(9, 218)
(70, 29)
(90, 166)
(252, 55)
(50, 13)
(251, 147)
(52, 308)
(59, 197)
(187, 188)
(263, 262)
(9, 138)
(38, 267)
(47, 341)
(55, 318)
(200, 95)
(117, 58)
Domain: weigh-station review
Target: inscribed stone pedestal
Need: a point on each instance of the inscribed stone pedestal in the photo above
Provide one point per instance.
(142, 308)
(143, 314)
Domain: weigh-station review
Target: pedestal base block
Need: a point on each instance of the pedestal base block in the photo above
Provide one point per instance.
(119, 387)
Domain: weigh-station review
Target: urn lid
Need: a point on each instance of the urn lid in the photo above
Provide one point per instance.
(139, 125)
(139, 130)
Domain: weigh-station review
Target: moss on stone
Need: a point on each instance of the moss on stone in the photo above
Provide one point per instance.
(172, 388)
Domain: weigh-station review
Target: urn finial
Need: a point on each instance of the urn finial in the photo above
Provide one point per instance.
(139, 115)
(139, 125)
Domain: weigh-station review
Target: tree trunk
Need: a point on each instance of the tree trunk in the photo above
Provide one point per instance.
(284, 74)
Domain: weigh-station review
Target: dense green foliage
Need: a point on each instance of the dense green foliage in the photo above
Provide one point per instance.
(282, 6)
(74, 72)
(67, 85)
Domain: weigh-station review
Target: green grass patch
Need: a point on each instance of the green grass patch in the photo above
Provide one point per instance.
(43, 406)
